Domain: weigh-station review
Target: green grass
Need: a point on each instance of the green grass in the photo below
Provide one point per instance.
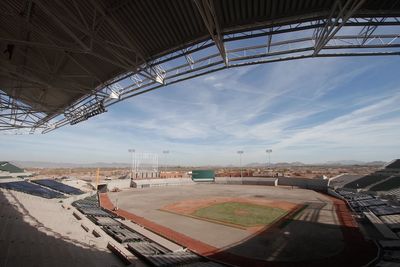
(243, 214)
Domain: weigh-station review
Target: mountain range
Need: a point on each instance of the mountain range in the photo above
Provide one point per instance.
(44, 164)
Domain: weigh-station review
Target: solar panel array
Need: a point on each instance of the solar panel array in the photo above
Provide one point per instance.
(32, 189)
(59, 186)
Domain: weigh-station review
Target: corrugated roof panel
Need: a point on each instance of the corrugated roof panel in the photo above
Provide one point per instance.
(154, 27)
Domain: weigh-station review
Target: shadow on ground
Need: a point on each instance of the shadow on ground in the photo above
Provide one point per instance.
(315, 244)
(24, 241)
(309, 238)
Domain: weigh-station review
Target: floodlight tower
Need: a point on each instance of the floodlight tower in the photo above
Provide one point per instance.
(269, 151)
(165, 152)
(240, 152)
(132, 151)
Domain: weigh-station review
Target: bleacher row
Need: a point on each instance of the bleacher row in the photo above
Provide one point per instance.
(43, 188)
(390, 184)
(385, 181)
(144, 248)
(395, 164)
(366, 181)
(383, 215)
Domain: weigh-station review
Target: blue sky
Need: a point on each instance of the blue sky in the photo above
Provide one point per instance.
(312, 110)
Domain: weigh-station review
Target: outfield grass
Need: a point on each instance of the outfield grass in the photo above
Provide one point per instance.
(243, 214)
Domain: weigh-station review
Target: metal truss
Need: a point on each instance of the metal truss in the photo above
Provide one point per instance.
(18, 118)
(338, 17)
(338, 36)
(207, 12)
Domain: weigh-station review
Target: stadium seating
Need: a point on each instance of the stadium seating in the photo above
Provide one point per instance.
(153, 253)
(365, 181)
(59, 186)
(32, 189)
(394, 165)
(384, 210)
(91, 208)
(389, 184)
(121, 234)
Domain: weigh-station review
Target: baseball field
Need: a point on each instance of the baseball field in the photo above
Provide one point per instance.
(265, 223)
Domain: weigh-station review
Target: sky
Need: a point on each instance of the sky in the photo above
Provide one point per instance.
(310, 110)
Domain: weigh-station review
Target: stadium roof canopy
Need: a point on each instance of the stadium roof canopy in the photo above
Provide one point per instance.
(63, 62)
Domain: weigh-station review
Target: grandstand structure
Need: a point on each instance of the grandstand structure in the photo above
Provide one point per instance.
(64, 62)
(384, 182)
(383, 215)
(149, 233)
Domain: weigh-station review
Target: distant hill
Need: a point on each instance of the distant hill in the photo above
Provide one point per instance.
(45, 164)
(328, 163)
(355, 162)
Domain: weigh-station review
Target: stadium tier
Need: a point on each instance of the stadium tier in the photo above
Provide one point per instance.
(31, 188)
(342, 180)
(394, 164)
(365, 181)
(390, 184)
(59, 186)
(384, 210)
(140, 245)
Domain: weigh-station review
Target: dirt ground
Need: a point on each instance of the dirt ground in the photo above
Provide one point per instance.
(314, 233)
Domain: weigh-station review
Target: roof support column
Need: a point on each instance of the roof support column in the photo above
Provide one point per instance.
(208, 14)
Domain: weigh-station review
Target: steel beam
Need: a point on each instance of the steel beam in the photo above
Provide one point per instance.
(196, 60)
(210, 19)
(338, 17)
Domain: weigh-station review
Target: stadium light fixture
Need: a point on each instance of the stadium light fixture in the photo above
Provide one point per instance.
(269, 151)
(132, 151)
(77, 115)
(114, 95)
(165, 152)
(240, 152)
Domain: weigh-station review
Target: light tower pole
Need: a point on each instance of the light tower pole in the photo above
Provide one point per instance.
(240, 152)
(269, 151)
(132, 151)
(165, 152)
